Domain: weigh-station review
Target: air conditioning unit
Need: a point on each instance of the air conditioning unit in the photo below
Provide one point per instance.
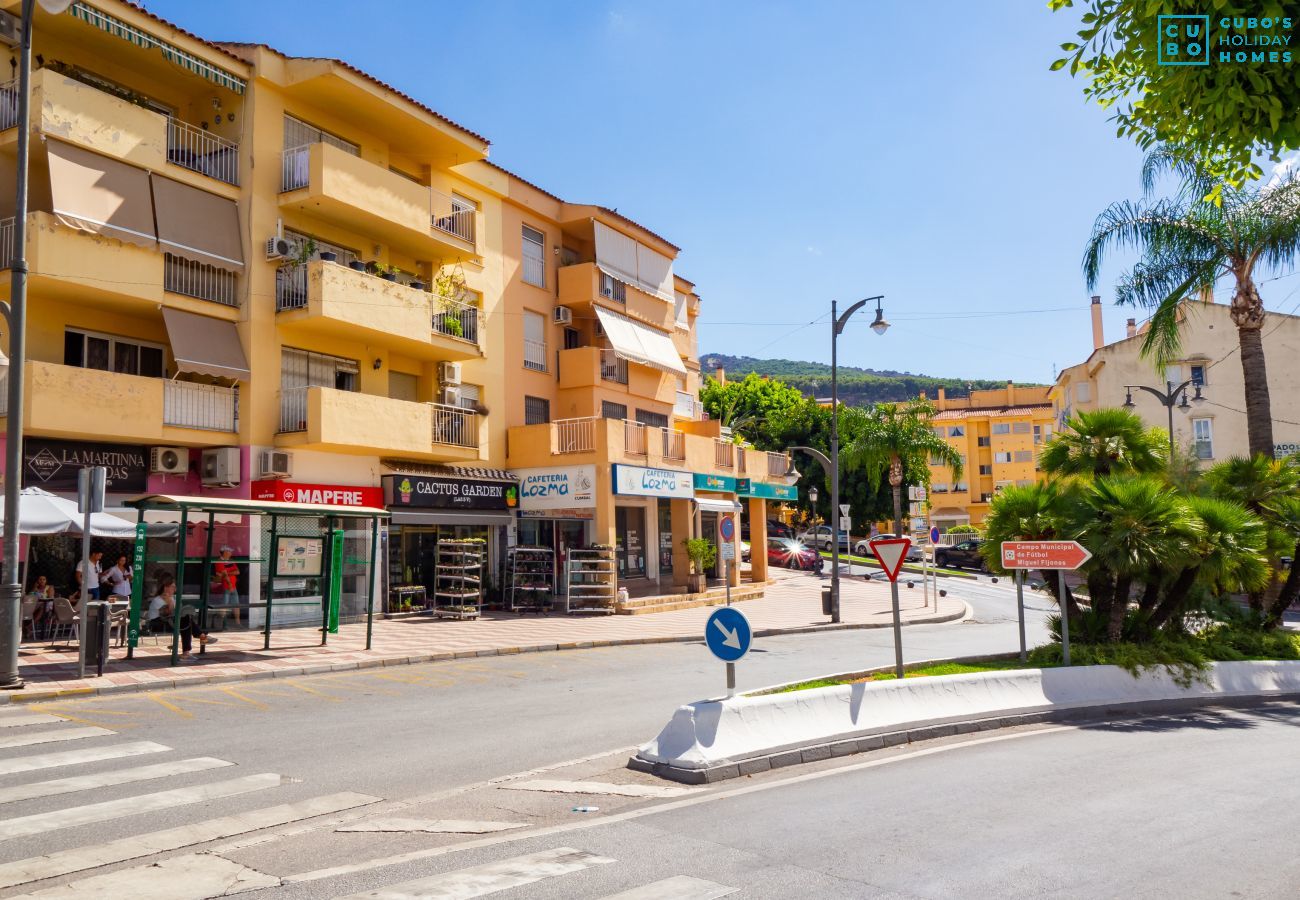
(449, 373)
(11, 29)
(276, 464)
(221, 466)
(280, 248)
(562, 316)
(169, 460)
(449, 396)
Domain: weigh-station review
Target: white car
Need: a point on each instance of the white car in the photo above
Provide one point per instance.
(819, 538)
(915, 553)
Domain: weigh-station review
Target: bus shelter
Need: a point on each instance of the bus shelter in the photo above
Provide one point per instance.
(307, 565)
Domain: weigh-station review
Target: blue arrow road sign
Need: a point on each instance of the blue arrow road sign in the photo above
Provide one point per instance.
(727, 633)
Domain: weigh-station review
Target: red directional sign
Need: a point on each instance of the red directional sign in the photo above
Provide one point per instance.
(1044, 555)
(891, 552)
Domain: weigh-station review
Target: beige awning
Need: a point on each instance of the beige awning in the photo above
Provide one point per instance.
(639, 344)
(93, 193)
(197, 225)
(205, 345)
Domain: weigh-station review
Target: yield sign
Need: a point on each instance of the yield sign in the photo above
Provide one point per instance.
(890, 552)
(1044, 555)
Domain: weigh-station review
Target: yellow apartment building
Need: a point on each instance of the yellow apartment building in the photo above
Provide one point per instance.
(999, 434)
(270, 277)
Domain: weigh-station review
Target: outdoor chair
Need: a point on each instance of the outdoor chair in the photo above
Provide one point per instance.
(66, 618)
(29, 615)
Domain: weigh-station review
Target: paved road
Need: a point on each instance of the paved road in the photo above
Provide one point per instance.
(401, 732)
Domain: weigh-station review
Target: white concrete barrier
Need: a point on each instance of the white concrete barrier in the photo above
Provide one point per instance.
(715, 739)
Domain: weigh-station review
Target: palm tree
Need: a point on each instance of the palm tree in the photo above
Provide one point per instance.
(1030, 512)
(898, 437)
(1104, 442)
(1205, 231)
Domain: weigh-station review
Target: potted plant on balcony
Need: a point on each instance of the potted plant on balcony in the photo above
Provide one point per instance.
(388, 273)
(357, 265)
(329, 256)
(703, 554)
(449, 286)
(306, 250)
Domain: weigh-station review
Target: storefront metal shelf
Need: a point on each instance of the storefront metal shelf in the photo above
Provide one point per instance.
(592, 580)
(458, 592)
(530, 577)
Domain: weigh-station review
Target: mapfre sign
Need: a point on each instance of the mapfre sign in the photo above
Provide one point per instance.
(318, 494)
(1066, 555)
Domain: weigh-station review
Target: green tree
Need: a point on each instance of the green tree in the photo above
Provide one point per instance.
(900, 440)
(1103, 442)
(1184, 244)
(1029, 512)
(1226, 112)
(750, 406)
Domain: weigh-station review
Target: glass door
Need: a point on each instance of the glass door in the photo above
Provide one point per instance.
(629, 525)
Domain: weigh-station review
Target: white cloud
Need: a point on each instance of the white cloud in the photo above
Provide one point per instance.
(1284, 169)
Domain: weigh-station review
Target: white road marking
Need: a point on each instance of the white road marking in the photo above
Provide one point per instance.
(190, 877)
(76, 757)
(679, 887)
(489, 878)
(51, 737)
(600, 787)
(107, 779)
(17, 719)
(65, 862)
(430, 826)
(132, 806)
(704, 797)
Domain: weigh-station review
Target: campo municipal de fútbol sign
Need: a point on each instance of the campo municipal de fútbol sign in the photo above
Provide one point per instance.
(639, 481)
(565, 487)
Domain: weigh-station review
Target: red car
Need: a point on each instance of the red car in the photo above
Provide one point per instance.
(790, 554)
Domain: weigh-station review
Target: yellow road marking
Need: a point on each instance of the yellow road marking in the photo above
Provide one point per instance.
(231, 692)
(165, 704)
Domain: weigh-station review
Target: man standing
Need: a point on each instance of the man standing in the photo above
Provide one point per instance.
(227, 573)
(88, 581)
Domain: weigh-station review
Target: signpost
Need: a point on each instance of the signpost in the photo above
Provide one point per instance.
(891, 552)
(90, 499)
(727, 541)
(728, 636)
(1063, 556)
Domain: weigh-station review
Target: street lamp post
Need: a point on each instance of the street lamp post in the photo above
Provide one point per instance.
(1168, 399)
(15, 312)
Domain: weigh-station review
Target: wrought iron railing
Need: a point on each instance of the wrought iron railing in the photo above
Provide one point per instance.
(212, 407)
(575, 435)
(634, 443)
(457, 319)
(201, 151)
(613, 367)
(535, 355)
(196, 279)
(454, 425)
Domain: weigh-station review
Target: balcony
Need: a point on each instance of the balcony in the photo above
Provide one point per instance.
(674, 445)
(724, 454)
(147, 410)
(634, 438)
(192, 279)
(535, 355)
(613, 367)
(330, 300)
(332, 184)
(321, 418)
(583, 285)
(777, 464)
(203, 152)
(685, 406)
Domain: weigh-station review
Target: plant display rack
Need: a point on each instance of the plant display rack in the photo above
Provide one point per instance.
(458, 576)
(530, 579)
(592, 578)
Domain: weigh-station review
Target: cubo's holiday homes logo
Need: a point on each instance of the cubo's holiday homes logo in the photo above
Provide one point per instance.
(1188, 40)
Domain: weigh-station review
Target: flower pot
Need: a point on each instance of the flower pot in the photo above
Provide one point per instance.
(695, 584)
(357, 265)
(418, 285)
(328, 256)
(389, 276)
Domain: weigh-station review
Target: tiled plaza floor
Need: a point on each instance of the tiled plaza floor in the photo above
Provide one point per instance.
(792, 603)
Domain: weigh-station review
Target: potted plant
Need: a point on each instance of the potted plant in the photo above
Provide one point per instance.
(357, 265)
(328, 256)
(418, 284)
(388, 273)
(306, 250)
(451, 325)
(703, 554)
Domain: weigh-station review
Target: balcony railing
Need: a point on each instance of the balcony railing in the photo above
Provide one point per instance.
(196, 279)
(293, 409)
(634, 438)
(454, 425)
(457, 319)
(201, 151)
(6, 242)
(777, 465)
(451, 216)
(613, 367)
(9, 104)
(742, 459)
(295, 170)
(575, 435)
(724, 454)
(535, 355)
(674, 444)
(290, 288)
(188, 404)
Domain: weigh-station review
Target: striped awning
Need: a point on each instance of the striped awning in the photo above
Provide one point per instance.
(170, 52)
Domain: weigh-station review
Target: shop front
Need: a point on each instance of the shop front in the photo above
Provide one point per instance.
(755, 495)
(557, 506)
(715, 495)
(449, 505)
(651, 515)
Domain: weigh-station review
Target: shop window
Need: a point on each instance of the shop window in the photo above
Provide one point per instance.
(87, 350)
(629, 529)
(537, 410)
(610, 410)
(653, 419)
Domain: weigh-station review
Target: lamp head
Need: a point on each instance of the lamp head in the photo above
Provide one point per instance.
(879, 325)
(790, 470)
(1128, 399)
(55, 6)
(812, 495)
(1183, 404)
(1198, 398)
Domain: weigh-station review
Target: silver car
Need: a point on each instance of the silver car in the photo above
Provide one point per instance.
(915, 553)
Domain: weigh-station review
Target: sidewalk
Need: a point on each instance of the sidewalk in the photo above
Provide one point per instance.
(792, 604)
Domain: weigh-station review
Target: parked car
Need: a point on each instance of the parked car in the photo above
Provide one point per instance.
(744, 551)
(965, 555)
(915, 553)
(775, 528)
(790, 554)
(819, 538)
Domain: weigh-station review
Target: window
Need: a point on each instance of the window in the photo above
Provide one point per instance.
(986, 469)
(960, 487)
(1001, 428)
(986, 497)
(982, 441)
(957, 431)
(1024, 456)
(1041, 434)
(572, 339)
(537, 410)
(939, 488)
(939, 431)
(403, 386)
(936, 460)
(1023, 482)
(1083, 391)
(300, 369)
(87, 350)
(1174, 374)
(469, 396)
(653, 419)
(1198, 375)
(1002, 457)
(612, 288)
(679, 304)
(610, 410)
(1203, 433)
(535, 341)
(1020, 428)
(534, 255)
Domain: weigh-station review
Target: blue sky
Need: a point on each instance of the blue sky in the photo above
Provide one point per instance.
(797, 151)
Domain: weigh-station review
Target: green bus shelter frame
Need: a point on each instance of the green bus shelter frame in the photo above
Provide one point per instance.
(193, 509)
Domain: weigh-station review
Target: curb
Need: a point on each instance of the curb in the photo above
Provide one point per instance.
(44, 696)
